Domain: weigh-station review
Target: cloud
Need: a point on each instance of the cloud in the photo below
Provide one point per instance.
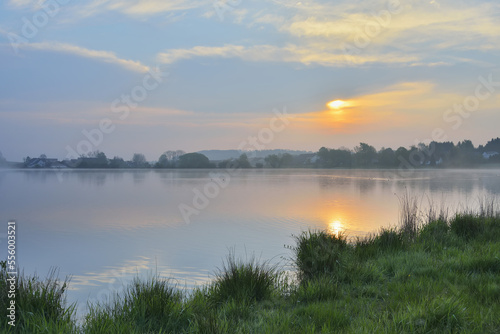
(291, 53)
(403, 105)
(239, 15)
(418, 29)
(80, 112)
(104, 56)
(139, 7)
(413, 23)
(364, 32)
(24, 3)
(270, 19)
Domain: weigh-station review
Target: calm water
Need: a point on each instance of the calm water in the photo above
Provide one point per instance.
(105, 227)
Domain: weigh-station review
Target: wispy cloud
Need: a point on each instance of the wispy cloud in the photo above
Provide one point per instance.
(269, 19)
(104, 56)
(24, 3)
(416, 23)
(139, 7)
(290, 53)
(87, 113)
(417, 28)
(317, 33)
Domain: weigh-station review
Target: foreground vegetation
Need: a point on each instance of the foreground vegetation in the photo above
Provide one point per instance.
(442, 276)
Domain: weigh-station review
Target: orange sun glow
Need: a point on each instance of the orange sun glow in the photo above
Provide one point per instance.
(336, 104)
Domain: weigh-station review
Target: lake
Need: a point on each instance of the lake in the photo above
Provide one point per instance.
(105, 227)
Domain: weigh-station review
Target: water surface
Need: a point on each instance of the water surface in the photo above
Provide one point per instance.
(105, 227)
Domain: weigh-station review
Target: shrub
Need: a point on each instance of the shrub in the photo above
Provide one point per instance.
(466, 226)
(318, 253)
(251, 281)
(390, 240)
(434, 234)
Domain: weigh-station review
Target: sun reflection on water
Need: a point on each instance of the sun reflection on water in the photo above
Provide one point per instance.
(336, 227)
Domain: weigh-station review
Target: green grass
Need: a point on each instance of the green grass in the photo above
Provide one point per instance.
(40, 304)
(319, 253)
(437, 276)
(147, 306)
(249, 281)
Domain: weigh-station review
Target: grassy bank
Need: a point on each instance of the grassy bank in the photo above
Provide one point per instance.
(441, 276)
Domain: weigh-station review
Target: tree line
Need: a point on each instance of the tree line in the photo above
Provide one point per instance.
(434, 154)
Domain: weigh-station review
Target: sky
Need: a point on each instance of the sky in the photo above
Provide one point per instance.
(147, 76)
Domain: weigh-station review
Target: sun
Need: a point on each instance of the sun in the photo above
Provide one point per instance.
(336, 104)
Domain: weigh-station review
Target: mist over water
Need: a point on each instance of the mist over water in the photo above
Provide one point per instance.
(105, 227)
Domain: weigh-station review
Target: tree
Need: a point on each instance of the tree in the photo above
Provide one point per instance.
(173, 155)
(43, 156)
(194, 160)
(272, 160)
(493, 145)
(101, 160)
(26, 161)
(279, 161)
(168, 159)
(139, 160)
(387, 157)
(117, 162)
(94, 159)
(162, 162)
(286, 160)
(365, 155)
(441, 152)
(464, 154)
(243, 162)
(228, 163)
(324, 156)
(402, 155)
(341, 158)
(466, 146)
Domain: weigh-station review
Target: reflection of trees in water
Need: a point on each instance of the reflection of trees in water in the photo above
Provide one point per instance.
(117, 175)
(94, 178)
(167, 177)
(181, 176)
(139, 176)
(432, 182)
(367, 185)
(89, 177)
(425, 182)
(42, 176)
(334, 181)
(491, 184)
